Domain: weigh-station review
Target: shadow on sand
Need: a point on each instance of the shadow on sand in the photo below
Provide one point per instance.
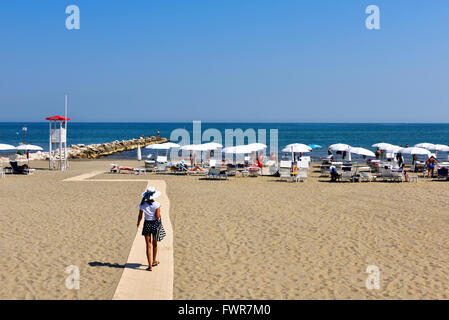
(115, 265)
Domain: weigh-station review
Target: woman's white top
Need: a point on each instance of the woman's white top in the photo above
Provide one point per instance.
(150, 210)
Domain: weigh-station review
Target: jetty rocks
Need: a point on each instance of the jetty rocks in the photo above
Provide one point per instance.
(95, 151)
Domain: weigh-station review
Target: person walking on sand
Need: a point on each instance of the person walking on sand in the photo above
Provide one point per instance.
(152, 228)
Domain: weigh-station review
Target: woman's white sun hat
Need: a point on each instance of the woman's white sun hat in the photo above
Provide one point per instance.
(153, 193)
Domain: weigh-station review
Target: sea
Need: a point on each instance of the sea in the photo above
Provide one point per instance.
(323, 134)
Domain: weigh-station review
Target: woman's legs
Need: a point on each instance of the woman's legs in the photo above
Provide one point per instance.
(148, 243)
(155, 262)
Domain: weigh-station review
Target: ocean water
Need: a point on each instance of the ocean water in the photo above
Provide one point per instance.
(324, 134)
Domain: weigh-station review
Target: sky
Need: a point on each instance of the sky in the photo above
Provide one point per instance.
(225, 61)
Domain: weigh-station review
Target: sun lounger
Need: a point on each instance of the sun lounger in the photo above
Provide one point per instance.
(398, 176)
(253, 171)
(385, 173)
(161, 167)
(216, 173)
(115, 168)
(302, 174)
(443, 173)
(150, 165)
(212, 162)
(347, 175)
(269, 169)
(16, 169)
(285, 170)
(231, 170)
(365, 176)
(161, 159)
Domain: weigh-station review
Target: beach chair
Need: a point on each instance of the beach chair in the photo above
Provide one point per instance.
(161, 159)
(365, 176)
(285, 168)
(253, 171)
(161, 167)
(443, 173)
(302, 174)
(231, 170)
(212, 162)
(347, 175)
(150, 165)
(397, 176)
(385, 174)
(215, 173)
(324, 169)
(269, 169)
(302, 164)
(18, 170)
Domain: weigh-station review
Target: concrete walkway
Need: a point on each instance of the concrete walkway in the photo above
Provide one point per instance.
(136, 283)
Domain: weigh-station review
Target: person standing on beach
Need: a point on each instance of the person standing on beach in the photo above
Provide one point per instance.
(378, 154)
(152, 228)
(431, 163)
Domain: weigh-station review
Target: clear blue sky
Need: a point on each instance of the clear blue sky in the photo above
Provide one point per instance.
(225, 60)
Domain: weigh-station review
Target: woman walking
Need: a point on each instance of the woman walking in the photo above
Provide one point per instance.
(152, 228)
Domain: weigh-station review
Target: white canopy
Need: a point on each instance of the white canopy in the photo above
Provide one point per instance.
(4, 147)
(426, 145)
(253, 147)
(162, 146)
(361, 151)
(195, 147)
(442, 147)
(392, 148)
(297, 147)
(382, 145)
(414, 150)
(339, 147)
(212, 146)
(29, 147)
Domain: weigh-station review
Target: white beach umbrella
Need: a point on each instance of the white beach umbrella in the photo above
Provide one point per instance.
(339, 147)
(5, 147)
(29, 147)
(257, 146)
(361, 151)
(382, 145)
(212, 145)
(426, 145)
(247, 148)
(139, 153)
(297, 147)
(392, 148)
(162, 146)
(442, 147)
(193, 147)
(414, 150)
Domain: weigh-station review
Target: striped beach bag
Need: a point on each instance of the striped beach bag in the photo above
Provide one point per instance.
(161, 232)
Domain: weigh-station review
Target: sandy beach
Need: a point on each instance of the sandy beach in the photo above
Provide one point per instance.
(246, 238)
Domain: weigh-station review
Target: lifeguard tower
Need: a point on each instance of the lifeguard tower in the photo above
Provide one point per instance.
(58, 143)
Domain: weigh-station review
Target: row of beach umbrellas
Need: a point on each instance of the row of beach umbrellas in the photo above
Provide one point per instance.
(23, 147)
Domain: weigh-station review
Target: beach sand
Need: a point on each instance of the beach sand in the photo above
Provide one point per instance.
(246, 238)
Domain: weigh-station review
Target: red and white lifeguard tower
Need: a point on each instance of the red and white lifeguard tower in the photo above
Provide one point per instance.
(58, 143)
